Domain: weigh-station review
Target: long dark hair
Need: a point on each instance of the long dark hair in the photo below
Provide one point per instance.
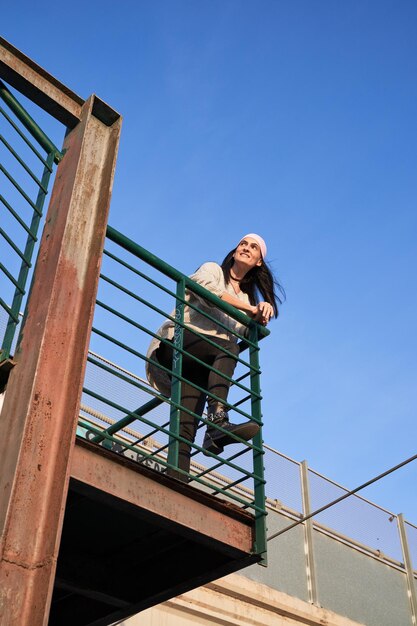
(259, 281)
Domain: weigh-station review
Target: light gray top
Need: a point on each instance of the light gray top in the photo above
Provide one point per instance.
(210, 276)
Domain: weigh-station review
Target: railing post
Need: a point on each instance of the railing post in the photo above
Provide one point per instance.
(39, 417)
(408, 568)
(174, 424)
(309, 542)
(258, 457)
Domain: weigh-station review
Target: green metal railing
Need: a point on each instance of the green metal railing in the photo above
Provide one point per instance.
(134, 290)
(22, 198)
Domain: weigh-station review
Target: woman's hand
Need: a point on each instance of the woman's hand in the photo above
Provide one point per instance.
(262, 312)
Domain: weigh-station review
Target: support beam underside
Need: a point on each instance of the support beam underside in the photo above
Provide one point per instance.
(133, 538)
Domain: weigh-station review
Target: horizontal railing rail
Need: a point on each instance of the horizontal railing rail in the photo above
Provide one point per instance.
(176, 275)
(137, 293)
(22, 201)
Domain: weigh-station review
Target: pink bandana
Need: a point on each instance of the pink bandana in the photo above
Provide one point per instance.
(261, 243)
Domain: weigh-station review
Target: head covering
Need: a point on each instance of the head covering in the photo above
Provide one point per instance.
(261, 243)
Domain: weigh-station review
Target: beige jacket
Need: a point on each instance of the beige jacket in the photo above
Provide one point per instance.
(210, 276)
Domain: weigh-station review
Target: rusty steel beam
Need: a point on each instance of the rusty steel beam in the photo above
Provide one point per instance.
(39, 416)
(119, 479)
(45, 90)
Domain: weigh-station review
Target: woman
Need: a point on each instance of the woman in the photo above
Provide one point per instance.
(240, 281)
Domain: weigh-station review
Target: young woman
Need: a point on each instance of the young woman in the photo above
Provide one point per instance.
(244, 281)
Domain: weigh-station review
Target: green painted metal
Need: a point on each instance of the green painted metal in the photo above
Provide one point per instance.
(29, 123)
(31, 226)
(139, 412)
(23, 136)
(225, 462)
(174, 425)
(25, 266)
(179, 349)
(23, 164)
(258, 455)
(246, 487)
(168, 291)
(168, 270)
(134, 352)
(132, 416)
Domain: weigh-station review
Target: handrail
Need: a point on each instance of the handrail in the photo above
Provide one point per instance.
(29, 123)
(140, 252)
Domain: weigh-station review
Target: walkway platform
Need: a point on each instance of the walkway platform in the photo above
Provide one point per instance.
(133, 538)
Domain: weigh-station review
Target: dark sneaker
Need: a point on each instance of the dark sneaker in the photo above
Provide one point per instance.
(215, 440)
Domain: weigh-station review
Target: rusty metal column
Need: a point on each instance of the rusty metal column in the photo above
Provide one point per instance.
(41, 404)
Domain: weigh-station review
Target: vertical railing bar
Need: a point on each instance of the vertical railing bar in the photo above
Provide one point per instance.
(258, 461)
(309, 541)
(176, 384)
(408, 567)
(24, 268)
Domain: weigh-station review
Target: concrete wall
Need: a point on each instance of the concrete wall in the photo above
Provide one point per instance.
(353, 587)
(237, 601)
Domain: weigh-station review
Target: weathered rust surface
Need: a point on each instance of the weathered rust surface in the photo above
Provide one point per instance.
(40, 411)
(120, 480)
(45, 90)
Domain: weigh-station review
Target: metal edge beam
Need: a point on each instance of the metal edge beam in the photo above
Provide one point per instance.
(45, 90)
(151, 495)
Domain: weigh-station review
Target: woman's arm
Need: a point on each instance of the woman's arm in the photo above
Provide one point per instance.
(261, 313)
(247, 308)
(210, 276)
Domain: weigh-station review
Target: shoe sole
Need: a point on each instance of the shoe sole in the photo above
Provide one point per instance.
(213, 447)
(244, 431)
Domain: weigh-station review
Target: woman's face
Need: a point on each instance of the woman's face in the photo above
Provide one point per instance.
(248, 253)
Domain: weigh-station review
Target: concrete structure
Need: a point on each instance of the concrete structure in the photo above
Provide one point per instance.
(237, 601)
(355, 586)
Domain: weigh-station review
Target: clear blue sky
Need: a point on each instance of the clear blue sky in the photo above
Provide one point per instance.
(297, 120)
